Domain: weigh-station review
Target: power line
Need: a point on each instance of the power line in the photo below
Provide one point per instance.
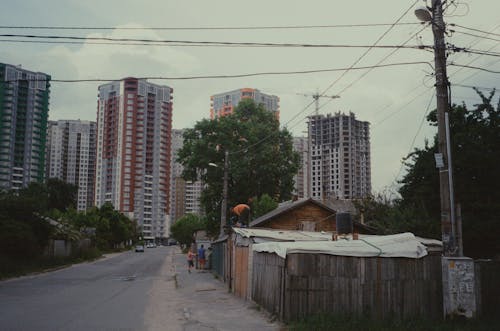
(401, 108)
(237, 75)
(201, 28)
(379, 62)
(481, 52)
(115, 43)
(476, 87)
(374, 45)
(359, 59)
(473, 67)
(415, 137)
(207, 43)
(476, 30)
(474, 35)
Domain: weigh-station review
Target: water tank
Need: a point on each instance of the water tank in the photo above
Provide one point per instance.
(344, 223)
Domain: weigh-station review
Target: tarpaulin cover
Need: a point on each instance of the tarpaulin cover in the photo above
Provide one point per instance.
(397, 245)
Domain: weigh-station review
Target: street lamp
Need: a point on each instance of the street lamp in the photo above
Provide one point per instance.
(223, 208)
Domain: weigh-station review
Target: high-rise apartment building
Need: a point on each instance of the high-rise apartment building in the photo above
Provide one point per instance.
(301, 179)
(24, 109)
(71, 146)
(185, 195)
(224, 103)
(339, 157)
(134, 123)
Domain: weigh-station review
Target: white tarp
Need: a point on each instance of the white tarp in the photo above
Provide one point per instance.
(397, 245)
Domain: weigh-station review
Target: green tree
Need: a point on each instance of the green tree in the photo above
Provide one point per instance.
(61, 195)
(261, 158)
(475, 142)
(184, 229)
(263, 205)
(23, 231)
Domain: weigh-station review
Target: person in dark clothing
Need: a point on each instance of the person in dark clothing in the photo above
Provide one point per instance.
(201, 257)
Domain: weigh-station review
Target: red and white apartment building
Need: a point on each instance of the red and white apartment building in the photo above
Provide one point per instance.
(134, 124)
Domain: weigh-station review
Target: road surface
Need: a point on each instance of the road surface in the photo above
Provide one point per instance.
(127, 291)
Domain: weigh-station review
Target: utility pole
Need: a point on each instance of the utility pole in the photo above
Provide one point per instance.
(445, 174)
(223, 210)
(457, 271)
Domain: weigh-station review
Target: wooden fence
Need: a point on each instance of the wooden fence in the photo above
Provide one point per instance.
(487, 274)
(305, 284)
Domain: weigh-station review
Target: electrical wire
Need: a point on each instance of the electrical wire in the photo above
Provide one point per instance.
(369, 49)
(236, 75)
(400, 109)
(271, 27)
(207, 43)
(474, 67)
(415, 137)
(476, 87)
(358, 60)
(379, 62)
(474, 35)
(476, 30)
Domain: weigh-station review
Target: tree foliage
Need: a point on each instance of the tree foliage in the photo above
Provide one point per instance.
(261, 158)
(25, 229)
(184, 229)
(263, 205)
(475, 146)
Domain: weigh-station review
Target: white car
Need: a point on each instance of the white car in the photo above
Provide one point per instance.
(139, 248)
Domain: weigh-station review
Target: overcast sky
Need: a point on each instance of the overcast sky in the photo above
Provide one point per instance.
(393, 99)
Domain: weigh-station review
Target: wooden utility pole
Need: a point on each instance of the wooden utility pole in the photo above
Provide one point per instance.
(223, 211)
(445, 175)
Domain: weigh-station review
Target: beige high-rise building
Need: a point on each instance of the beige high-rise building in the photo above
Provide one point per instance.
(71, 157)
(301, 179)
(223, 104)
(185, 195)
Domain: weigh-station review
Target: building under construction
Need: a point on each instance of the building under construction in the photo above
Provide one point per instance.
(339, 157)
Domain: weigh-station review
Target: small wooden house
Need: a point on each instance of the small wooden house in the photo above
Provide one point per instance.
(306, 215)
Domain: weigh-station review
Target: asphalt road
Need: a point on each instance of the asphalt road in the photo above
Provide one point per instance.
(109, 294)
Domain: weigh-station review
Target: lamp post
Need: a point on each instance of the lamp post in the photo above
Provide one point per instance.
(223, 209)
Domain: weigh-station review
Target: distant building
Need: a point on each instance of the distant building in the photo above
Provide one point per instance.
(340, 164)
(134, 123)
(224, 103)
(71, 148)
(301, 179)
(24, 111)
(184, 195)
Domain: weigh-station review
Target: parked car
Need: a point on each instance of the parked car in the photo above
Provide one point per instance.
(172, 242)
(139, 248)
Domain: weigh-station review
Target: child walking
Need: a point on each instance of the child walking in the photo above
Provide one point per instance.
(190, 258)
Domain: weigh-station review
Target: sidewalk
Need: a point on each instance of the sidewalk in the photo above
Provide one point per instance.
(197, 301)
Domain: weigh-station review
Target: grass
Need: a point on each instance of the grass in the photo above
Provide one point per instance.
(350, 323)
(10, 268)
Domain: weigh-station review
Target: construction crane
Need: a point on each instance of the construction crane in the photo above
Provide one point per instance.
(316, 97)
